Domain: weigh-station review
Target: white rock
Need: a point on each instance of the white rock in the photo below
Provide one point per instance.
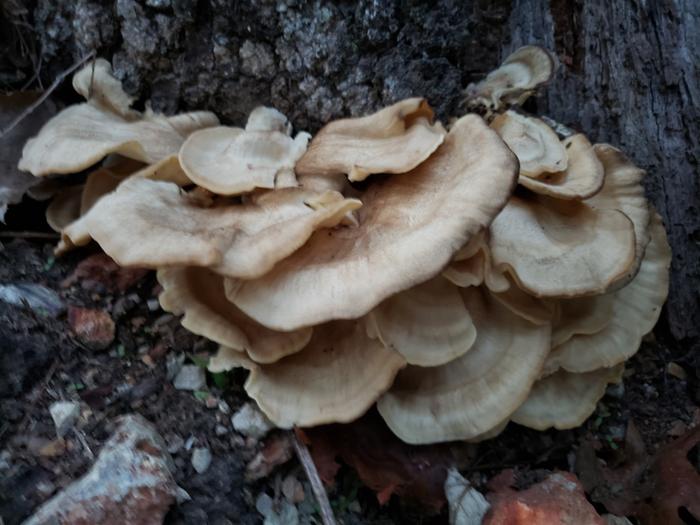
(64, 415)
(190, 377)
(250, 422)
(201, 459)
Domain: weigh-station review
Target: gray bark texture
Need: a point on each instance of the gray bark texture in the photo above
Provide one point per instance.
(629, 73)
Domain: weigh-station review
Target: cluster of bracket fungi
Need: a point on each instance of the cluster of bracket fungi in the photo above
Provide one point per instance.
(487, 271)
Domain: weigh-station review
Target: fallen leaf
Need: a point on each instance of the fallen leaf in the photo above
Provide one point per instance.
(383, 462)
(14, 183)
(558, 499)
(93, 328)
(467, 505)
(276, 451)
(40, 299)
(652, 488)
(99, 272)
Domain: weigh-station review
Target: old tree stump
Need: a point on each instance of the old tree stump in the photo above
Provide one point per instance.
(628, 76)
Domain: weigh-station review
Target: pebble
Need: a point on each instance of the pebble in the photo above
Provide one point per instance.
(676, 371)
(153, 304)
(224, 407)
(173, 364)
(201, 459)
(175, 444)
(64, 414)
(132, 478)
(221, 430)
(251, 422)
(616, 390)
(190, 377)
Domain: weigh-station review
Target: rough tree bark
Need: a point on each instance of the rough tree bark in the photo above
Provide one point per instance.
(629, 72)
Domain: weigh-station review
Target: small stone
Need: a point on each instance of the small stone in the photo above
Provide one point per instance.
(45, 487)
(64, 415)
(153, 304)
(355, 507)
(292, 489)
(250, 422)
(224, 407)
(677, 371)
(173, 364)
(264, 504)
(93, 328)
(201, 459)
(220, 430)
(211, 401)
(616, 390)
(131, 481)
(190, 441)
(190, 377)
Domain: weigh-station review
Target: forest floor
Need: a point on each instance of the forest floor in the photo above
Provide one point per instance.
(42, 360)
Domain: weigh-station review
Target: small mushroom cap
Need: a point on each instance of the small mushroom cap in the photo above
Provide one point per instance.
(622, 190)
(394, 140)
(477, 391)
(556, 248)
(199, 294)
(239, 240)
(521, 72)
(263, 118)
(168, 170)
(635, 311)
(64, 208)
(564, 399)
(535, 309)
(582, 315)
(83, 134)
(96, 83)
(537, 147)
(582, 178)
(335, 379)
(427, 324)
(467, 272)
(230, 161)
(410, 228)
(98, 184)
(227, 359)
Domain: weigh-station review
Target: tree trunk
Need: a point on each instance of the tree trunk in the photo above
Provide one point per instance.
(629, 73)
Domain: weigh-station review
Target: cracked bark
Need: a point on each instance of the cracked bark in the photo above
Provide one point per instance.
(629, 73)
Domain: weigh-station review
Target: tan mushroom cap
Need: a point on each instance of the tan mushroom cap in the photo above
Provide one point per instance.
(410, 228)
(535, 309)
(64, 208)
(623, 190)
(477, 391)
(564, 399)
(394, 140)
(98, 184)
(198, 293)
(519, 74)
(427, 324)
(556, 248)
(635, 311)
(490, 434)
(582, 178)
(230, 161)
(167, 169)
(227, 359)
(582, 315)
(335, 379)
(467, 272)
(96, 83)
(173, 229)
(264, 118)
(83, 134)
(537, 147)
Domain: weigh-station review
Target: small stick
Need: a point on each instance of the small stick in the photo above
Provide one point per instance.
(30, 235)
(39, 101)
(312, 474)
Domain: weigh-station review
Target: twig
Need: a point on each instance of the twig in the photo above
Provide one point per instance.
(312, 474)
(29, 235)
(46, 94)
